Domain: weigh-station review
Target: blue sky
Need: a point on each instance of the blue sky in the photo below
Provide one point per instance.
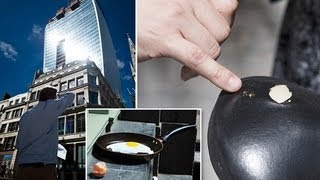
(21, 39)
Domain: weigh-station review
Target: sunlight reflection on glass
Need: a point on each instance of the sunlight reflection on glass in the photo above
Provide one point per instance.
(75, 52)
(54, 37)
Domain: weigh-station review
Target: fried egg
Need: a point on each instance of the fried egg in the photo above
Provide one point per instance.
(129, 148)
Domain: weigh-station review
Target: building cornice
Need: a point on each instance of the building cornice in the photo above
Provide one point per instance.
(13, 106)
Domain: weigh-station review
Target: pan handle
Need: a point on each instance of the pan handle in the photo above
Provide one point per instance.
(110, 123)
(166, 137)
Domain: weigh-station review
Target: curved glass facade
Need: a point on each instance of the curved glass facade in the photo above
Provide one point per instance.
(85, 36)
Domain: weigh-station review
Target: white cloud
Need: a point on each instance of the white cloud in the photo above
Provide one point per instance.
(120, 64)
(126, 77)
(36, 33)
(8, 51)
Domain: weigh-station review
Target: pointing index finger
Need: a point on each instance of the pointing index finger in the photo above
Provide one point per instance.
(197, 59)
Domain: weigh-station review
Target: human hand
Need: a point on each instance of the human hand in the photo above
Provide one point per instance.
(189, 31)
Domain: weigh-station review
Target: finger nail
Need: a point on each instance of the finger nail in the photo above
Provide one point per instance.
(234, 83)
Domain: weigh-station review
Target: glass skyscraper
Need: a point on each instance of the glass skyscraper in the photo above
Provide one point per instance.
(80, 32)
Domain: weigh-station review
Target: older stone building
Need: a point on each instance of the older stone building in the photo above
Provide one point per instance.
(10, 110)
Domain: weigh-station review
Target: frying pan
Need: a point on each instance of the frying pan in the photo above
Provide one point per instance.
(156, 145)
(250, 136)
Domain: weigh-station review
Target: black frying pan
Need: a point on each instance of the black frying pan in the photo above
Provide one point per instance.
(156, 145)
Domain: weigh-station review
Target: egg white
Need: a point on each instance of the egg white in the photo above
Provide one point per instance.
(122, 147)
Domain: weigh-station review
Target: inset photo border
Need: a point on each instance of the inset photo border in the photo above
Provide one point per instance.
(143, 144)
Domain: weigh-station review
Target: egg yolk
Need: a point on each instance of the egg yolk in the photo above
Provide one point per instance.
(132, 144)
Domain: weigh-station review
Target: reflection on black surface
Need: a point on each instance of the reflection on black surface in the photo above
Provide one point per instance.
(255, 160)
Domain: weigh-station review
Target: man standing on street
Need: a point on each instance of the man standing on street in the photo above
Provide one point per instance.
(37, 140)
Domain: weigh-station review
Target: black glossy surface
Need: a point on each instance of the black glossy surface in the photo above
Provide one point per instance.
(252, 137)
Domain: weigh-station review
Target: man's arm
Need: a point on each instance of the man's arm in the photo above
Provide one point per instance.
(64, 100)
